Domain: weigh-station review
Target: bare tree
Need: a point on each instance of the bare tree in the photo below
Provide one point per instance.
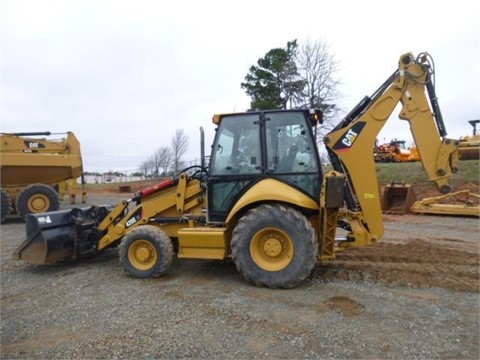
(179, 146)
(317, 66)
(160, 161)
(154, 163)
(144, 167)
(165, 154)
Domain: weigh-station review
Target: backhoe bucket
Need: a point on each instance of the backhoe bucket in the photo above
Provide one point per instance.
(398, 198)
(58, 235)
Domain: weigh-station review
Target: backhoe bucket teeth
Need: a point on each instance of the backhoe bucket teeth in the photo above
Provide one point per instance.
(398, 198)
(57, 235)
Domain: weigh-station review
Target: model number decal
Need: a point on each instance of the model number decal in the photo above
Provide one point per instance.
(368, 196)
(135, 218)
(44, 219)
(131, 221)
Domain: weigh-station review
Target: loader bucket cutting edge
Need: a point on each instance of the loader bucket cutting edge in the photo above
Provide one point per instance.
(50, 237)
(397, 198)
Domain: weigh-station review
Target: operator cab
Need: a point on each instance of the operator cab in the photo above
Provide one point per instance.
(252, 146)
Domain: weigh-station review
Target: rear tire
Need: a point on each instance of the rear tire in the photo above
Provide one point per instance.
(274, 246)
(5, 206)
(146, 251)
(36, 199)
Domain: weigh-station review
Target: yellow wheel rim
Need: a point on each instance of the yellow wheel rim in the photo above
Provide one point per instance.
(271, 249)
(38, 203)
(142, 255)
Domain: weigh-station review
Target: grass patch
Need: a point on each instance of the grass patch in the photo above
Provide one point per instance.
(413, 172)
(409, 172)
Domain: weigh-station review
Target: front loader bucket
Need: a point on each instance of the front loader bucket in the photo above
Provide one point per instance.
(398, 198)
(57, 235)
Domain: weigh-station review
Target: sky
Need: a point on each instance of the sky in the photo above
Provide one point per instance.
(125, 75)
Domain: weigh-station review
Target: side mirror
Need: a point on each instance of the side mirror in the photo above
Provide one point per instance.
(316, 117)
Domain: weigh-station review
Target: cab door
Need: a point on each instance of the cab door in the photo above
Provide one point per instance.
(235, 163)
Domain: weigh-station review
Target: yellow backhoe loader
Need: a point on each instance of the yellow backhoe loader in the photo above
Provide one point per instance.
(36, 172)
(263, 201)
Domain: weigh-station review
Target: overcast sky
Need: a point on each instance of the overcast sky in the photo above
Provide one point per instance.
(124, 75)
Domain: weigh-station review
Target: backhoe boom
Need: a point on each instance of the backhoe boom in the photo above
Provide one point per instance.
(355, 136)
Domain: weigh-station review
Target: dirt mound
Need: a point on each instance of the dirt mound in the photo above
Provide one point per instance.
(416, 264)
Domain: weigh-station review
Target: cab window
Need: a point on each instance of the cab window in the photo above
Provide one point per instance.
(291, 152)
(237, 147)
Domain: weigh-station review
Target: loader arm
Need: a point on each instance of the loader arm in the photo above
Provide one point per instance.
(167, 203)
(350, 143)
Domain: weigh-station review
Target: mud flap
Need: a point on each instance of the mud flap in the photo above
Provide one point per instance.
(59, 235)
(398, 198)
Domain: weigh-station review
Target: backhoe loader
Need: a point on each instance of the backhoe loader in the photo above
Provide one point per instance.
(263, 201)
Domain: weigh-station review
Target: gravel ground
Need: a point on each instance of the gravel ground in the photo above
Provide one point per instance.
(371, 303)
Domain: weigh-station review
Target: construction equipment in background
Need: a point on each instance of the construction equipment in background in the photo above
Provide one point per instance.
(37, 172)
(469, 146)
(263, 201)
(400, 198)
(395, 151)
(459, 203)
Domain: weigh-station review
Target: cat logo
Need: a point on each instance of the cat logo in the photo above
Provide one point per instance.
(33, 145)
(349, 138)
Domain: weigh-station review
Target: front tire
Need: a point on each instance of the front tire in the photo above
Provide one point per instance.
(146, 251)
(36, 199)
(274, 246)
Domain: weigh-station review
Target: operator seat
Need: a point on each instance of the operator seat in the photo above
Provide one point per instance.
(288, 162)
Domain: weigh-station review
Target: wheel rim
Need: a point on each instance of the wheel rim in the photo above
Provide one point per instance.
(271, 249)
(142, 255)
(38, 203)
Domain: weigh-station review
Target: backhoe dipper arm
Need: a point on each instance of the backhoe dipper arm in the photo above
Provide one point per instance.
(350, 143)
